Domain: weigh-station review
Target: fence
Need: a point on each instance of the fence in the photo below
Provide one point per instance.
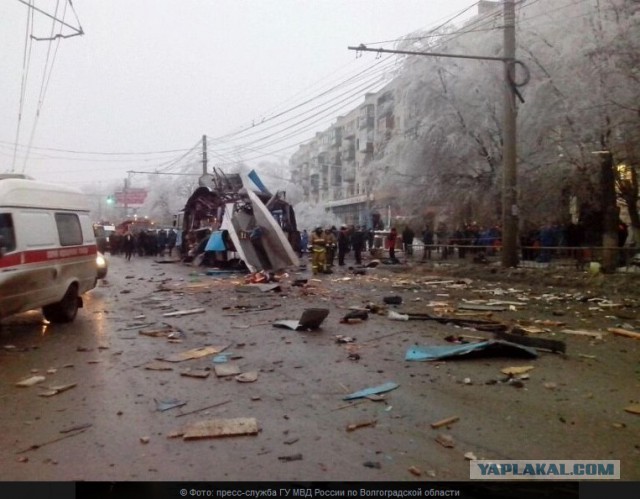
(578, 257)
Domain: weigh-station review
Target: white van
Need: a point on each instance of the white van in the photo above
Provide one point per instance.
(47, 248)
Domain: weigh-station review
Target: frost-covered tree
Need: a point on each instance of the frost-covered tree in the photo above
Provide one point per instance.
(579, 60)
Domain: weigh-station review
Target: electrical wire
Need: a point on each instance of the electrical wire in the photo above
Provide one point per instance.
(46, 75)
(26, 59)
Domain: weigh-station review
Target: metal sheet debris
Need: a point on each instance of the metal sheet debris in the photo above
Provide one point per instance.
(311, 319)
(165, 405)
(386, 387)
(489, 348)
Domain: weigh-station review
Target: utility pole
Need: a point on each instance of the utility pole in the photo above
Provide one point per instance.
(609, 212)
(126, 197)
(509, 156)
(204, 154)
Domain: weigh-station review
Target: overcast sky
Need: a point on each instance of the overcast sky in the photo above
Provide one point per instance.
(150, 76)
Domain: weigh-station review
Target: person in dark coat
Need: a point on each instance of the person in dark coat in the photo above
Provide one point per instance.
(128, 243)
(358, 239)
(343, 244)
(427, 241)
(162, 242)
(407, 240)
(172, 238)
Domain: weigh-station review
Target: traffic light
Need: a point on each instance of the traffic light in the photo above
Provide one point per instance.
(110, 200)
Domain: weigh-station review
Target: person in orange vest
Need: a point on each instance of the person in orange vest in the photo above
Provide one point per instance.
(319, 251)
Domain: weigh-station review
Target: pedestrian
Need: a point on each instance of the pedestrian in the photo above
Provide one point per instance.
(392, 238)
(343, 245)
(443, 240)
(128, 243)
(547, 238)
(304, 242)
(161, 241)
(358, 239)
(407, 240)
(172, 238)
(371, 235)
(318, 251)
(427, 241)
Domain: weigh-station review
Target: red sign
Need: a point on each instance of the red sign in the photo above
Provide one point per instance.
(133, 197)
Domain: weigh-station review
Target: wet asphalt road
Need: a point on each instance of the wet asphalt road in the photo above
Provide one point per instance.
(108, 426)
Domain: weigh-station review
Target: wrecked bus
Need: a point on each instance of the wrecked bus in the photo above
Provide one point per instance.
(234, 222)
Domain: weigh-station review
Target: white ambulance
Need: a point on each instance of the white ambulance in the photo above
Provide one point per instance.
(47, 248)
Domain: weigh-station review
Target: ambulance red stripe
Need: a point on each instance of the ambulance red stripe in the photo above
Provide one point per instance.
(47, 255)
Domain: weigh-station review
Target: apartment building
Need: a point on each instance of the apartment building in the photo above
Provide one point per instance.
(342, 166)
(336, 167)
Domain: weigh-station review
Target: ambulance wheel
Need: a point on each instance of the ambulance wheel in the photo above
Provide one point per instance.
(66, 309)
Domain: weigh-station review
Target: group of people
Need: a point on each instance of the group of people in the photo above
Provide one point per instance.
(327, 244)
(144, 243)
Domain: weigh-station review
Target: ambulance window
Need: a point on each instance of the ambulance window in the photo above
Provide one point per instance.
(69, 229)
(7, 234)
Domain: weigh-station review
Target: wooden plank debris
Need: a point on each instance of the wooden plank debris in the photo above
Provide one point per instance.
(624, 332)
(55, 390)
(633, 408)
(516, 370)
(445, 440)
(247, 377)
(180, 313)
(196, 373)
(195, 353)
(361, 424)
(580, 332)
(227, 369)
(215, 428)
(445, 422)
(32, 380)
(484, 308)
(158, 366)
(158, 333)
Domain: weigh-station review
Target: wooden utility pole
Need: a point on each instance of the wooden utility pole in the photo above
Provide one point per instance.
(204, 155)
(509, 156)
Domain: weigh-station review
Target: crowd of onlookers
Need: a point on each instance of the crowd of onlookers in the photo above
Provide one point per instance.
(145, 242)
(471, 240)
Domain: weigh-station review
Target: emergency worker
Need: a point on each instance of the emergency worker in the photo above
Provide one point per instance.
(330, 244)
(318, 248)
